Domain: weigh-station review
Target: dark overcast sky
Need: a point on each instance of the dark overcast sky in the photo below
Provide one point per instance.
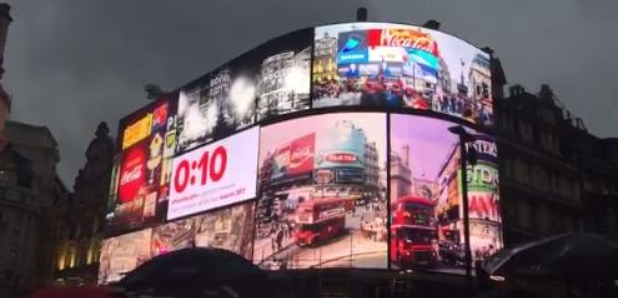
(72, 63)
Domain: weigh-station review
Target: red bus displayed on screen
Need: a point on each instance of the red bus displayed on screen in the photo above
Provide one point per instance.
(413, 232)
(320, 220)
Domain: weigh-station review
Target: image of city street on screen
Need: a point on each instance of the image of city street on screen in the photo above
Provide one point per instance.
(230, 228)
(426, 201)
(322, 195)
(401, 66)
(270, 80)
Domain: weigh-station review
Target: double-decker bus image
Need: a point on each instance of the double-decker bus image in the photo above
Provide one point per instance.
(321, 219)
(413, 233)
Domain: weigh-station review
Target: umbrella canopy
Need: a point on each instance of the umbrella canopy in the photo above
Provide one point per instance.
(571, 256)
(195, 270)
(75, 292)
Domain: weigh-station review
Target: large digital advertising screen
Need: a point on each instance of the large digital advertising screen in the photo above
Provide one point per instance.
(270, 80)
(142, 170)
(401, 66)
(322, 195)
(375, 181)
(426, 200)
(230, 229)
(216, 175)
(122, 254)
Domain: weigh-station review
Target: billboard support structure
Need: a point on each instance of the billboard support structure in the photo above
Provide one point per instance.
(464, 138)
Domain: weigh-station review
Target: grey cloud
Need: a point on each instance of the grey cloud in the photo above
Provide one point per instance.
(71, 64)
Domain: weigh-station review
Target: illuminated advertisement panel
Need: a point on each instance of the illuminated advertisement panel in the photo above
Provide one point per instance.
(122, 254)
(335, 216)
(426, 201)
(215, 165)
(401, 66)
(230, 229)
(142, 170)
(216, 175)
(270, 80)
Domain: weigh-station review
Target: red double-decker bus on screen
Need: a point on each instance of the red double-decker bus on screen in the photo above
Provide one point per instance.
(413, 231)
(321, 219)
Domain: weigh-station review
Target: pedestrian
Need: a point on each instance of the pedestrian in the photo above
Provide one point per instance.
(279, 239)
(273, 239)
(289, 228)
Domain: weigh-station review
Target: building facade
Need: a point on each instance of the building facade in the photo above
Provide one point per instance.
(30, 184)
(77, 223)
(555, 175)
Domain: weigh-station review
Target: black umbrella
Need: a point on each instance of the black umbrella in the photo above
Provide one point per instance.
(567, 257)
(197, 272)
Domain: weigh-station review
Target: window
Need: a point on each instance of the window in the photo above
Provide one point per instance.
(557, 221)
(521, 171)
(543, 217)
(506, 166)
(536, 135)
(540, 178)
(524, 218)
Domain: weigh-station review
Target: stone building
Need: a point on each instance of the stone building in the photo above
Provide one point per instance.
(77, 223)
(28, 185)
(555, 175)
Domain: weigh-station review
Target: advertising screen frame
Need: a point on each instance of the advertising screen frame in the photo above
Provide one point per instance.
(387, 111)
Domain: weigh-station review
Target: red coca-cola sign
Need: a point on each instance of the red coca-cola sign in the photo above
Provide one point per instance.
(302, 151)
(132, 173)
(402, 38)
(341, 158)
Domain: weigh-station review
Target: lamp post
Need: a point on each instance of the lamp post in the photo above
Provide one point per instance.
(464, 138)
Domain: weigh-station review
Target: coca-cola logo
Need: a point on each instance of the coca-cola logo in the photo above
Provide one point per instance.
(407, 39)
(299, 155)
(341, 158)
(130, 175)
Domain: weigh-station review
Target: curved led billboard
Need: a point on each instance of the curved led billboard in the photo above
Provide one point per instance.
(401, 66)
(327, 147)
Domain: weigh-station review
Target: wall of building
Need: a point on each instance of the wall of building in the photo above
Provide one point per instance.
(77, 224)
(29, 185)
(552, 169)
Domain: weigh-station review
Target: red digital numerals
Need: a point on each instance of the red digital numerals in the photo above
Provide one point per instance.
(210, 167)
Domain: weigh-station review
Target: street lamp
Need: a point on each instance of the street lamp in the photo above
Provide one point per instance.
(465, 157)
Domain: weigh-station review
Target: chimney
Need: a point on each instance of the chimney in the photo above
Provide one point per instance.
(5, 20)
(498, 78)
(516, 90)
(405, 152)
(488, 50)
(5, 100)
(546, 94)
(432, 24)
(361, 14)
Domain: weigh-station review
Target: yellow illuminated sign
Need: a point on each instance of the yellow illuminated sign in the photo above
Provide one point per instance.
(137, 131)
